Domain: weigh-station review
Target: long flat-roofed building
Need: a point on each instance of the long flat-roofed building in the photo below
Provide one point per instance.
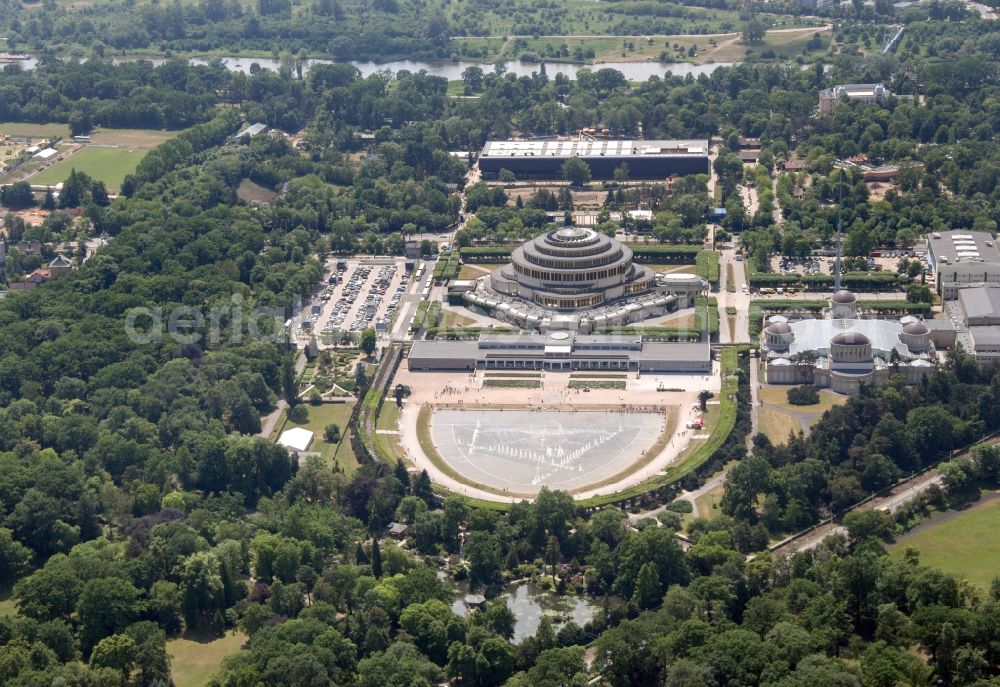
(560, 351)
(961, 258)
(645, 159)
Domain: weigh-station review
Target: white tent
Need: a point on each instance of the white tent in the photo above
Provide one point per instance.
(297, 439)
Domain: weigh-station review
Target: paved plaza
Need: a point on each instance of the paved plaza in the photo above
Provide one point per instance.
(521, 451)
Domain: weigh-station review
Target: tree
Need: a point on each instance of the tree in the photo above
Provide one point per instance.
(17, 196)
(117, 652)
(753, 31)
(332, 434)
(473, 77)
(14, 558)
(482, 550)
(201, 588)
(376, 559)
(576, 171)
(647, 587)
(369, 340)
(106, 607)
(289, 381)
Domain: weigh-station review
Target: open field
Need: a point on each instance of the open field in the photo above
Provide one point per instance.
(585, 45)
(708, 503)
(249, 191)
(194, 659)
(473, 271)
(778, 396)
(962, 542)
(777, 424)
(319, 417)
(34, 130)
(109, 165)
(131, 138)
(787, 43)
(7, 606)
(778, 417)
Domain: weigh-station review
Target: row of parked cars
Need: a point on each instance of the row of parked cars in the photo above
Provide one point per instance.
(355, 290)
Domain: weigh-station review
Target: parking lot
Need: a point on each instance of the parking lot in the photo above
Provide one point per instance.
(358, 294)
(885, 261)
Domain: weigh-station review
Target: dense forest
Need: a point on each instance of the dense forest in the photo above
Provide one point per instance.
(137, 501)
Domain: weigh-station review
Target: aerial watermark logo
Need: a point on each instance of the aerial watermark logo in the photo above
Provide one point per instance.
(233, 323)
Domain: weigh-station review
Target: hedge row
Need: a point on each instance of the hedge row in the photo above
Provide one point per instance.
(707, 263)
(485, 253)
(662, 253)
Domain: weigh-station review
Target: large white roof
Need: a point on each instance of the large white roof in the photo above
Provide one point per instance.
(297, 438)
(815, 335)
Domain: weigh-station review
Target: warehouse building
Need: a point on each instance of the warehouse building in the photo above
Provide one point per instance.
(963, 258)
(645, 159)
(560, 351)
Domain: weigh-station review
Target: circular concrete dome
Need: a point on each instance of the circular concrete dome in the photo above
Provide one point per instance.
(779, 328)
(850, 338)
(915, 328)
(844, 296)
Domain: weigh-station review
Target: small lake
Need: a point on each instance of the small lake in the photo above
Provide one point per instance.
(529, 604)
(449, 69)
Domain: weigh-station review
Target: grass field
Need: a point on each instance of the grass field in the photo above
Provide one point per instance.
(959, 543)
(778, 396)
(319, 417)
(34, 130)
(7, 607)
(472, 272)
(778, 417)
(194, 660)
(708, 503)
(109, 165)
(132, 138)
(777, 424)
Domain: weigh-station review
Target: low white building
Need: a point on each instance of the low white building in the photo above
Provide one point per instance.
(296, 439)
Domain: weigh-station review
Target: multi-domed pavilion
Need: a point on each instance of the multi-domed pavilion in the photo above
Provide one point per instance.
(844, 351)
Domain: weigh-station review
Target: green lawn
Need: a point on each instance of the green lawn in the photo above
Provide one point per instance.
(7, 607)
(778, 396)
(708, 503)
(109, 165)
(319, 417)
(962, 543)
(34, 130)
(777, 424)
(195, 659)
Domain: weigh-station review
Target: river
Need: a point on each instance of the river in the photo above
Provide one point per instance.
(452, 70)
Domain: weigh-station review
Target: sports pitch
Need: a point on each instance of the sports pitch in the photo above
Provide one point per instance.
(523, 450)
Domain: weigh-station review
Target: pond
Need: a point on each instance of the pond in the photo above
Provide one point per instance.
(530, 603)
(451, 70)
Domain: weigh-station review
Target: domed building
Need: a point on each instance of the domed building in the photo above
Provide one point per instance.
(844, 351)
(572, 268)
(579, 279)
